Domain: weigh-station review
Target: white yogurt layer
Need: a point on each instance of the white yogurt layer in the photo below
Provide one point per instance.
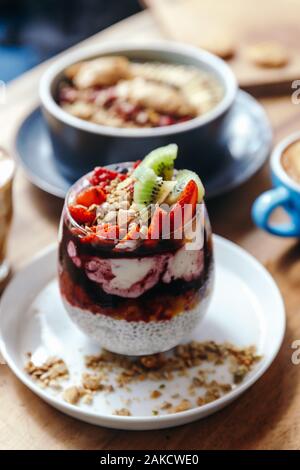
(185, 264)
(131, 277)
(139, 269)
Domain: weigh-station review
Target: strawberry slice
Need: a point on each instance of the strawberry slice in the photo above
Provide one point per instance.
(89, 196)
(189, 195)
(81, 214)
(185, 207)
(159, 224)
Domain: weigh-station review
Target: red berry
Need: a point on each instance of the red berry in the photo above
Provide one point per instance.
(189, 195)
(82, 215)
(185, 207)
(89, 196)
(110, 96)
(68, 94)
(185, 118)
(136, 164)
(166, 120)
(103, 176)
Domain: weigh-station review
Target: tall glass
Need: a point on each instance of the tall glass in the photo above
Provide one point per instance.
(136, 301)
(6, 210)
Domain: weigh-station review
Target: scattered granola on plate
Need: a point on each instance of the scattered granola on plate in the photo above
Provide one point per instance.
(197, 363)
(122, 412)
(48, 374)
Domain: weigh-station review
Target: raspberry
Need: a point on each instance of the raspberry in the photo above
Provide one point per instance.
(82, 215)
(104, 175)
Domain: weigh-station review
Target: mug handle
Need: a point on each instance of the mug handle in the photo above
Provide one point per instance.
(266, 203)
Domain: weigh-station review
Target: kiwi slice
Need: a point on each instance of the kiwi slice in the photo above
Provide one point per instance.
(182, 179)
(164, 191)
(160, 160)
(147, 187)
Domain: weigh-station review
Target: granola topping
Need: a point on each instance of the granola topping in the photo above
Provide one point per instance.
(116, 92)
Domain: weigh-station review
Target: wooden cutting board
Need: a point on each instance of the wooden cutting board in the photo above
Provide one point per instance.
(217, 24)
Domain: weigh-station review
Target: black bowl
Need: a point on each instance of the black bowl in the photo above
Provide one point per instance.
(81, 145)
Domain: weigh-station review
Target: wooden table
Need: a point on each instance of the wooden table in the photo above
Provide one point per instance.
(268, 415)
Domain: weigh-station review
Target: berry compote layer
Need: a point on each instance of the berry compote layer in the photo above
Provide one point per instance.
(135, 254)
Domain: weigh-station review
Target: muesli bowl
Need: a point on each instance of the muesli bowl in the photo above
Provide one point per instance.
(133, 294)
(79, 144)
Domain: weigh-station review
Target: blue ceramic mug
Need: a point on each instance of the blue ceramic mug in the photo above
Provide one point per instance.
(285, 194)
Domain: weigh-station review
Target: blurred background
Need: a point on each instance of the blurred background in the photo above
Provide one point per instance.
(34, 30)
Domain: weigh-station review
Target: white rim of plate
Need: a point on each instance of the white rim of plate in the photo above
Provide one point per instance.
(168, 419)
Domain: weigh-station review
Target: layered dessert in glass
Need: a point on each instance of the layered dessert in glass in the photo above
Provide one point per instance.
(135, 254)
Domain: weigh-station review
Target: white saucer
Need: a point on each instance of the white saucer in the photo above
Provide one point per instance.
(246, 309)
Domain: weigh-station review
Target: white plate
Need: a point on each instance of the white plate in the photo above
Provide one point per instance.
(246, 308)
